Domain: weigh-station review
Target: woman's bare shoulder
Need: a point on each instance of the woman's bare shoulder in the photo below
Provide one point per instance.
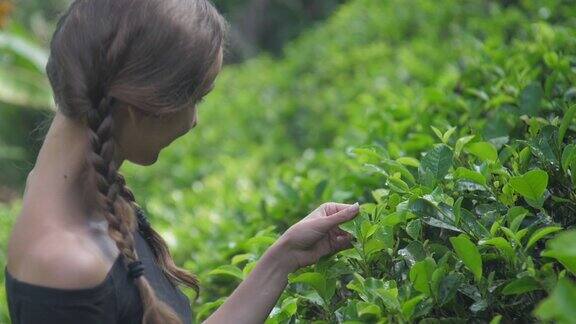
(57, 258)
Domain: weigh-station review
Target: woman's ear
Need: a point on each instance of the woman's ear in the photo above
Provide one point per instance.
(129, 116)
(127, 119)
(133, 115)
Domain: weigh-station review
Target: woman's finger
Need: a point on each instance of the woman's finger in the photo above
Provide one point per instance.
(344, 215)
(333, 207)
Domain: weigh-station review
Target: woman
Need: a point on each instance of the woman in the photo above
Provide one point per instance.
(127, 76)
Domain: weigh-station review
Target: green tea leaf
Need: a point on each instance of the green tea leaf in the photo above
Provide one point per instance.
(468, 253)
(471, 224)
(521, 286)
(436, 163)
(410, 305)
(413, 228)
(458, 210)
(448, 287)
(437, 132)
(546, 148)
(463, 173)
(566, 121)
(563, 248)
(348, 312)
(461, 142)
(540, 233)
(366, 309)
(496, 320)
(323, 286)
(531, 185)
(432, 215)
(448, 134)
(409, 161)
(485, 151)
(373, 245)
(413, 252)
(569, 157)
(502, 245)
(389, 298)
(397, 185)
(393, 219)
(421, 275)
(560, 306)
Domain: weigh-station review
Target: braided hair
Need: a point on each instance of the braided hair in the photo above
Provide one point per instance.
(155, 55)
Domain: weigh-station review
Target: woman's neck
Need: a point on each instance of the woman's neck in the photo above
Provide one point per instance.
(57, 179)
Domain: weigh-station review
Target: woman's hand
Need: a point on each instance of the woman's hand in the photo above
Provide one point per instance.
(316, 235)
(301, 245)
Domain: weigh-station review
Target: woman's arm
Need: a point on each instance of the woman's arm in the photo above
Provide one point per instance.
(255, 297)
(301, 245)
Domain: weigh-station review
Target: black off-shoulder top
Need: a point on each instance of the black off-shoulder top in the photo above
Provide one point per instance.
(114, 300)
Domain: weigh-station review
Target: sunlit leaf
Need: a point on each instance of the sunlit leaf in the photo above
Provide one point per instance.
(469, 254)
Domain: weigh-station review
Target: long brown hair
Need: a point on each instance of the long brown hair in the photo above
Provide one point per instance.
(155, 55)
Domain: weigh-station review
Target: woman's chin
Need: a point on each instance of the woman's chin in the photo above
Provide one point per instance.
(146, 160)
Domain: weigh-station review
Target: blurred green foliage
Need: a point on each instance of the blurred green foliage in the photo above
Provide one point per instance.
(451, 122)
(24, 96)
(256, 25)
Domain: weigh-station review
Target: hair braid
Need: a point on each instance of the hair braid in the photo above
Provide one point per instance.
(159, 247)
(110, 186)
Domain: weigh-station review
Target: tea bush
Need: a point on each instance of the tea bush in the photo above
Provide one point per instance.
(467, 111)
(451, 122)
